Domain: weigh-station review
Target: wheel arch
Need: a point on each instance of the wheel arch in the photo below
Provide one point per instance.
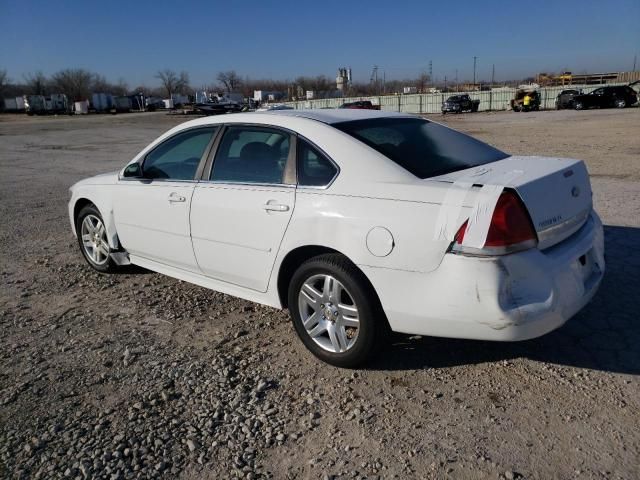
(296, 257)
(107, 217)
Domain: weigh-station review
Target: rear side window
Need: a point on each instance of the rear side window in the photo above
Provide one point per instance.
(314, 169)
(178, 157)
(251, 155)
(423, 148)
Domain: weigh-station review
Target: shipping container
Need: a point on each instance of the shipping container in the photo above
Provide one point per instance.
(102, 102)
(10, 104)
(35, 104)
(81, 108)
(59, 103)
(122, 104)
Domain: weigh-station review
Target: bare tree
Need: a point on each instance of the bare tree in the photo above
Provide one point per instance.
(121, 88)
(76, 83)
(230, 80)
(172, 82)
(4, 80)
(36, 83)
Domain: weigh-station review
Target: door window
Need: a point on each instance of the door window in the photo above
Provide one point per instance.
(314, 169)
(178, 157)
(251, 155)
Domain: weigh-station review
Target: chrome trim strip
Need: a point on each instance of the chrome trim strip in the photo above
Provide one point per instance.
(568, 226)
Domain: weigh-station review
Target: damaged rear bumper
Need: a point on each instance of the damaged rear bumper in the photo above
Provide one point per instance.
(509, 298)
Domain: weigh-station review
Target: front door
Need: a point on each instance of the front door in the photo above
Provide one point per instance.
(240, 214)
(151, 213)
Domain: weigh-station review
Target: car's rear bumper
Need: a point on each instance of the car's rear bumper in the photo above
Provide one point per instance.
(513, 297)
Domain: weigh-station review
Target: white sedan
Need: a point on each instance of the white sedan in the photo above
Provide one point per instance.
(358, 222)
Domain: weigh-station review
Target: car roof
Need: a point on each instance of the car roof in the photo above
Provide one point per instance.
(335, 115)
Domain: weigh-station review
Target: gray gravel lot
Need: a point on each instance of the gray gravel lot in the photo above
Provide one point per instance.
(137, 375)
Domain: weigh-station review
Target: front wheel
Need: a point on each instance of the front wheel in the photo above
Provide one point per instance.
(620, 103)
(335, 311)
(578, 106)
(92, 238)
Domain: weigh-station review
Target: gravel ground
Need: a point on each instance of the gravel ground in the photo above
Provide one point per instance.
(137, 375)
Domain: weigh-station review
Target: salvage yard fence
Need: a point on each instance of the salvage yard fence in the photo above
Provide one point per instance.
(497, 99)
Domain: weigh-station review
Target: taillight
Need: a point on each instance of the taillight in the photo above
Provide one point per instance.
(510, 230)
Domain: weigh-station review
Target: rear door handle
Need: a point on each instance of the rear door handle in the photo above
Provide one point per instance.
(276, 207)
(175, 198)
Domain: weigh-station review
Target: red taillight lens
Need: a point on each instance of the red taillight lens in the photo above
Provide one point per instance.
(510, 225)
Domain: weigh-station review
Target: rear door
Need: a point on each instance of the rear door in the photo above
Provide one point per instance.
(241, 210)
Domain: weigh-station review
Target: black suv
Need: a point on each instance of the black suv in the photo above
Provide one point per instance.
(605, 97)
(565, 98)
(460, 103)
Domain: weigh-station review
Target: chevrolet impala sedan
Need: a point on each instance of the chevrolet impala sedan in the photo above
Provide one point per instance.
(359, 222)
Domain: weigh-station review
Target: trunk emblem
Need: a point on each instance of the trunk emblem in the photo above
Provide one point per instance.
(575, 191)
(568, 173)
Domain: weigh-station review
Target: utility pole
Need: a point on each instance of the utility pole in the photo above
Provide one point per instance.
(474, 71)
(430, 71)
(493, 74)
(456, 79)
(445, 83)
(635, 57)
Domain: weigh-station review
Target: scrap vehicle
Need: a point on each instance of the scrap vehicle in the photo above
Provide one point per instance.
(518, 102)
(219, 103)
(459, 104)
(606, 97)
(346, 218)
(565, 98)
(360, 105)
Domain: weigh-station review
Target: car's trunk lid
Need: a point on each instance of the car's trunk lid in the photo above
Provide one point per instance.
(555, 191)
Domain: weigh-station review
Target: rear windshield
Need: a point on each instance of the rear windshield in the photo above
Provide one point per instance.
(423, 148)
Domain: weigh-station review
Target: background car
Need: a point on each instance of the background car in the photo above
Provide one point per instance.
(359, 222)
(460, 103)
(606, 97)
(360, 105)
(565, 98)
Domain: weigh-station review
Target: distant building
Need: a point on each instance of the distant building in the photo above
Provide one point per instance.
(266, 96)
(343, 79)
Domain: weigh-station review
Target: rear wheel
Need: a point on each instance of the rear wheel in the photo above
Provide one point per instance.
(620, 103)
(92, 238)
(578, 106)
(334, 311)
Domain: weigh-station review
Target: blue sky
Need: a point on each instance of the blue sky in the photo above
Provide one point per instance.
(285, 39)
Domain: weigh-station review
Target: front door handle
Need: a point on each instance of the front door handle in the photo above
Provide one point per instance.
(175, 198)
(276, 207)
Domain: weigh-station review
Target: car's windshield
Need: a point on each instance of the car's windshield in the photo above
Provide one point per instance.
(424, 148)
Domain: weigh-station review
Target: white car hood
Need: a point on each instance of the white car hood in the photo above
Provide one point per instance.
(103, 179)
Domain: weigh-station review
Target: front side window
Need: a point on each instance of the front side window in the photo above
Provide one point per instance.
(178, 157)
(251, 155)
(423, 148)
(314, 169)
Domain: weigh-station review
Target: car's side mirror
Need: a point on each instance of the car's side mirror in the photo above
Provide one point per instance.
(133, 170)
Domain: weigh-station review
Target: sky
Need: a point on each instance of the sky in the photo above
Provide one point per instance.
(284, 39)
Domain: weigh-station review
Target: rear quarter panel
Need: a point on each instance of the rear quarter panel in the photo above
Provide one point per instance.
(343, 222)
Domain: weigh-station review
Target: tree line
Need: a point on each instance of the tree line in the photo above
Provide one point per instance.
(79, 84)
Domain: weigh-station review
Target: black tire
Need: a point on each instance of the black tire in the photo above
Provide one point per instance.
(578, 106)
(372, 328)
(106, 266)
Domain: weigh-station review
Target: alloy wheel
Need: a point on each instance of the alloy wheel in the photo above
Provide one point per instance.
(329, 313)
(94, 240)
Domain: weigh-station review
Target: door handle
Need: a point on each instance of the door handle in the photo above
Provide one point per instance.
(276, 207)
(175, 198)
